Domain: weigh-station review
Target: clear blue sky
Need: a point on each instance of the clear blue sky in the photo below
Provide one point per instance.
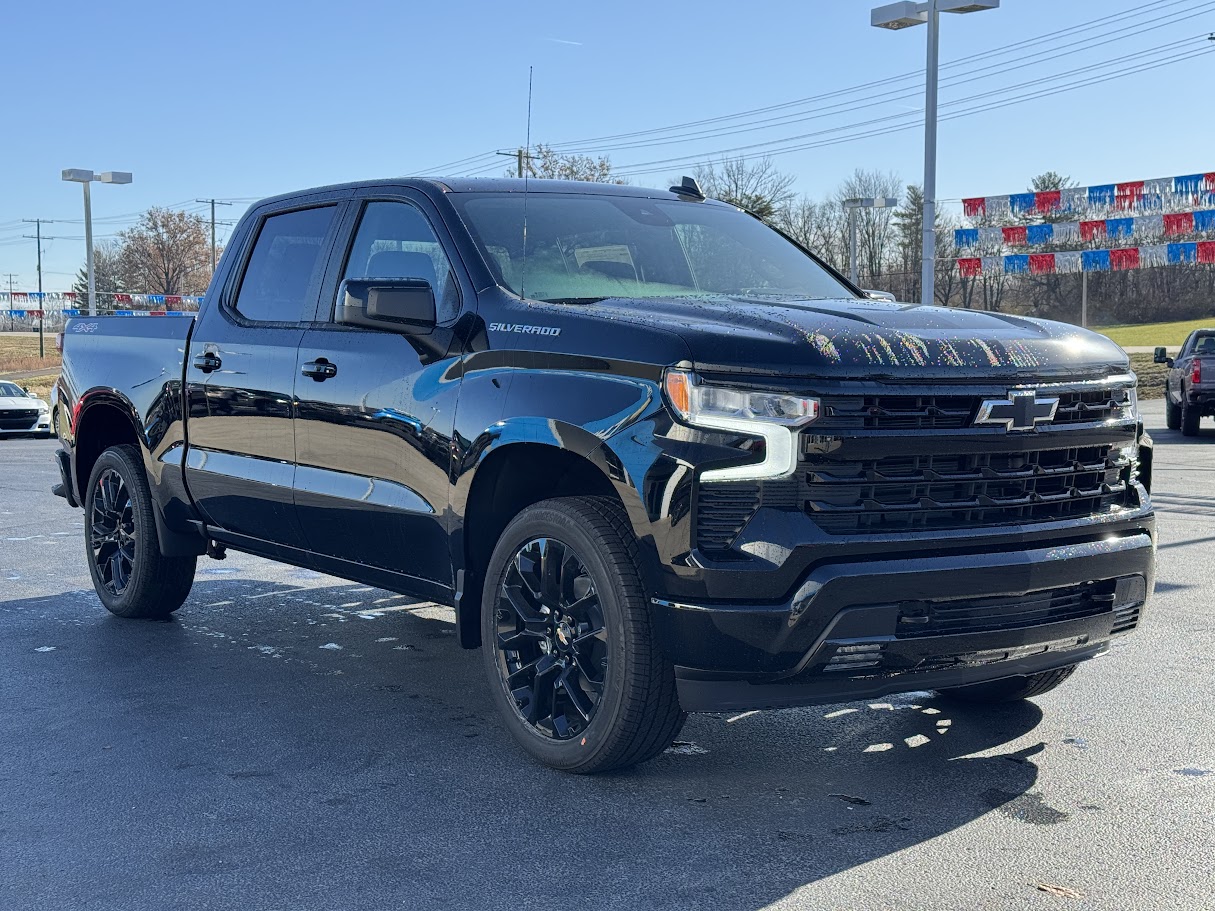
(243, 100)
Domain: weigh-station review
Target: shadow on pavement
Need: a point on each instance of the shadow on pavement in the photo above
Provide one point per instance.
(234, 757)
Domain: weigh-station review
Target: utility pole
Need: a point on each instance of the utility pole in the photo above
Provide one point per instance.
(521, 157)
(38, 222)
(214, 203)
(11, 277)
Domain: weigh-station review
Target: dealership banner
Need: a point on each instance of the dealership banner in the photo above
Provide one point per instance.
(1188, 190)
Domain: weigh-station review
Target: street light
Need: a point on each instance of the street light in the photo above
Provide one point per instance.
(907, 14)
(866, 202)
(81, 176)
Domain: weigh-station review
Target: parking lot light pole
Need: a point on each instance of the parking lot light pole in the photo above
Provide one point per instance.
(859, 202)
(896, 16)
(81, 176)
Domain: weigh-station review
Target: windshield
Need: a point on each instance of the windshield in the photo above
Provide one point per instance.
(12, 390)
(582, 248)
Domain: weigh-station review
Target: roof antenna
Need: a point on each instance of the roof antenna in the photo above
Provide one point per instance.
(689, 188)
(526, 171)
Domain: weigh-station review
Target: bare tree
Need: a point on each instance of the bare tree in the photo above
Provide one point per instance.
(168, 252)
(820, 227)
(756, 186)
(547, 163)
(875, 235)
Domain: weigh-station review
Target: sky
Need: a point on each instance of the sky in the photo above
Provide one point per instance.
(240, 100)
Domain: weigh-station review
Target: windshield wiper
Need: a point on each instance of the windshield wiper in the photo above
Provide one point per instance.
(573, 300)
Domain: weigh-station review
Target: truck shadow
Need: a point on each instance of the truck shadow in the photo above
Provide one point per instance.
(335, 741)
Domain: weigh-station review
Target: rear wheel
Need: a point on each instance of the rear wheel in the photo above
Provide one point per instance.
(1010, 689)
(567, 640)
(1172, 413)
(1189, 419)
(130, 575)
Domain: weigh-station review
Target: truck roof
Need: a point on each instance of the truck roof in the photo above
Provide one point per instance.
(491, 185)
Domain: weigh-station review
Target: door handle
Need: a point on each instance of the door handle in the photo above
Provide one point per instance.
(207, 362)
(320, 369)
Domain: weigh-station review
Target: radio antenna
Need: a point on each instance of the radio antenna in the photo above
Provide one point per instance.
(527, 162)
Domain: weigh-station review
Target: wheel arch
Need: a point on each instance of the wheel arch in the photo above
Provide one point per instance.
(516, 472)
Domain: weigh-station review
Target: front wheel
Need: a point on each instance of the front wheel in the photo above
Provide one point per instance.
(567, 640)
(1010, 689)
(131, 576)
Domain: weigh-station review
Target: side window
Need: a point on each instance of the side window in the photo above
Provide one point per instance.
(395, 240)
(285, 262)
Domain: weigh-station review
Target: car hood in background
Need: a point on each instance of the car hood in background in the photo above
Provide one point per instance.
(12, 403)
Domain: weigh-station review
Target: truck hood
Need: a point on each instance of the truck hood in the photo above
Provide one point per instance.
(861, 338)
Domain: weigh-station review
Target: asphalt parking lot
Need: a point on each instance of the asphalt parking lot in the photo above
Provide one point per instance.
(292, 741)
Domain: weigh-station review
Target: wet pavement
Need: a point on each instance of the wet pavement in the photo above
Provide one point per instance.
(293, 741)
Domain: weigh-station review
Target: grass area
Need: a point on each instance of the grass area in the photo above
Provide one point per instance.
(1151, 376)
(1155, 333)
(20, 352)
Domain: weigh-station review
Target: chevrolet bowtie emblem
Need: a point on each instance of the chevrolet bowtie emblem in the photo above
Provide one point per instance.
(1020, 411)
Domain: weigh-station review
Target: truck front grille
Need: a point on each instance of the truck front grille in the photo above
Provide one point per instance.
(902, 493)
(887, 411)
(983, 615)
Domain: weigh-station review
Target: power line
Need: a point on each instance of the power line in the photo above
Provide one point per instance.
(882, 98)
(1089, 25)
(771, 148)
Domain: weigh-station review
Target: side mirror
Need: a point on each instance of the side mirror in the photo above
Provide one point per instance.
(1161, 356)
(879, 295)
(26, 390)
(392, 304)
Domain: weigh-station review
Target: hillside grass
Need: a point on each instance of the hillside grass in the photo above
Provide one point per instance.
(1168, 334)
(20, 352)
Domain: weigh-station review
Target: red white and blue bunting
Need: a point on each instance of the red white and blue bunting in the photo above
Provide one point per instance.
(1114, 260)
(1187, 190)
(1147, 227)
(33, 304)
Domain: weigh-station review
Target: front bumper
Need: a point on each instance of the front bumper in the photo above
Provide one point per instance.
(40, 424)
(853, 630)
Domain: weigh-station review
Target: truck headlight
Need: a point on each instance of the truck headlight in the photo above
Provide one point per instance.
(773, 416)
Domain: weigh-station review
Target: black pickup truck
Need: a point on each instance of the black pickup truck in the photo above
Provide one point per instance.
(658, 457)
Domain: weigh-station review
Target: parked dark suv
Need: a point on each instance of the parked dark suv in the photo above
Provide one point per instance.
(659, 458)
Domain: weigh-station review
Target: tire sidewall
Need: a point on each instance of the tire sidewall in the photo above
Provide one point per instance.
(550, 521)
(145, 531)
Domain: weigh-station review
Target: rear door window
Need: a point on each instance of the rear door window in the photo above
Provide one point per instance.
(285, 267)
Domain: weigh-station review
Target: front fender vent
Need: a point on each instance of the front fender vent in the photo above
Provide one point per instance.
(722, 512)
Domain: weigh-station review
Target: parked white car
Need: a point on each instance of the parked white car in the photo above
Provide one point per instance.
(21, 412)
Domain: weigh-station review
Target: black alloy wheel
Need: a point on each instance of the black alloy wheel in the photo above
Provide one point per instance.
(551, 638)
(568, 643)
(132, 576)
(112, 534)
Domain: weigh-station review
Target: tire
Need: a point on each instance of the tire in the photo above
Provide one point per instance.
(54, 423)
(592, 618)
(131, 576)
(1172, 413)
(1010, 689)
(1189, 419)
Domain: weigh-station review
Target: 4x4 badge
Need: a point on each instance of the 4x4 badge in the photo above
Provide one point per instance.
(1020, 411)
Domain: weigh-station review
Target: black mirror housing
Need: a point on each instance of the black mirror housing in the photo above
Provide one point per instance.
(391, 304)
(1161, 355)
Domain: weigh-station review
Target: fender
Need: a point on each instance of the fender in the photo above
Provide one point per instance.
(177, 536)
